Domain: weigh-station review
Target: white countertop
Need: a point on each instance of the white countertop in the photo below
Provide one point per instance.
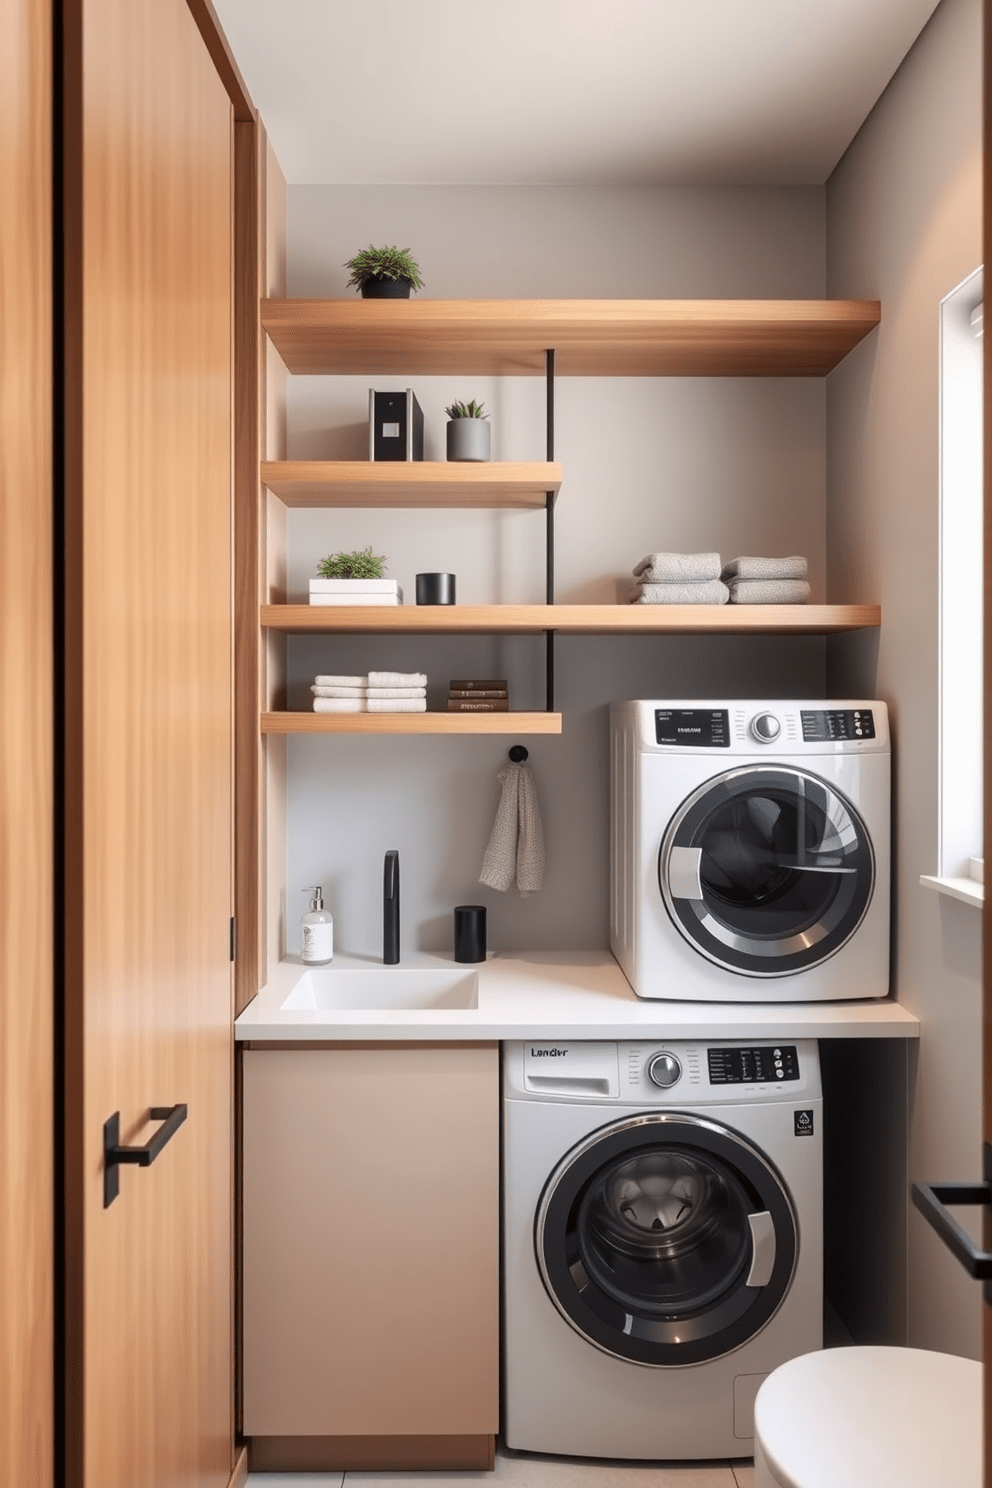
(552, 994)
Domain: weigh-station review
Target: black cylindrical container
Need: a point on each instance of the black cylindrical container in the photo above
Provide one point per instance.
(470, 932)
(435, 588)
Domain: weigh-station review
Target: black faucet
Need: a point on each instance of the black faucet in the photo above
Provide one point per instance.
(391, 909)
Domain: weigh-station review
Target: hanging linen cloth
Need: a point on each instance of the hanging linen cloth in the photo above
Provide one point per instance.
(516, 845)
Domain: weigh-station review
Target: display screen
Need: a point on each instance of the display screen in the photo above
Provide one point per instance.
(756, 1066)
(838, 723)
(704, 728)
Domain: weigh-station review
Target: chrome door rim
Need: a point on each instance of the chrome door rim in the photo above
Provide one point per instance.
(845, 819)
(718, 1134)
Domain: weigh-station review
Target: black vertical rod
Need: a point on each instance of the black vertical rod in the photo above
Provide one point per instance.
(549, 532)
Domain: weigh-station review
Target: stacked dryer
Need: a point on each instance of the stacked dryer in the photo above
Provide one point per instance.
(749, 849)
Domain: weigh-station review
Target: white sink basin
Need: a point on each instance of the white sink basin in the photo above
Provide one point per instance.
(384, 988)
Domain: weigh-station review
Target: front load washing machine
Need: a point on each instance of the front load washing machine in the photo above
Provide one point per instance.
(749, 849)
(662, 1240)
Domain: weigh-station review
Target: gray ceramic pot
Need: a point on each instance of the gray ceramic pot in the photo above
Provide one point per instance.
(468, 439)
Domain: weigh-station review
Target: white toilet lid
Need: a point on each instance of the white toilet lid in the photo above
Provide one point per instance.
(873, 1418)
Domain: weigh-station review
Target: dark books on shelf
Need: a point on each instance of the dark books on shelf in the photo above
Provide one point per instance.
(478, 695)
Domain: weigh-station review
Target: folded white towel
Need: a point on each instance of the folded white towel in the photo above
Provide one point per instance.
(766, 568)
(397, 705)
(340, 705)
(677, 568)
(710, 591)
(516, 845)
(340, 681)
(356, 692)
(769, 591)
(397, 679)
(396, 692)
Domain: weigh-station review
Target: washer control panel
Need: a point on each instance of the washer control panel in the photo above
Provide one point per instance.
(659, 1072)
(758, 1065)
(837, 723)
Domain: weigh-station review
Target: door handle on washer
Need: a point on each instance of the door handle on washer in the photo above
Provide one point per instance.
(762, 1249)
(684, 881)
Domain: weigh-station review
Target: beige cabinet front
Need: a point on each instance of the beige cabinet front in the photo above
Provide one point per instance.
(371, 1244)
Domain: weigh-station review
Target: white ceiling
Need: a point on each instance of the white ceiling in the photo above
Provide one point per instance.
(535, 92)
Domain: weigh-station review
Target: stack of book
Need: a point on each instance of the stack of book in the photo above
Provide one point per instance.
(478, 695)
(355, 592)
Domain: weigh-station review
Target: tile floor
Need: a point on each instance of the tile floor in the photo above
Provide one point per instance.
(526, 1470)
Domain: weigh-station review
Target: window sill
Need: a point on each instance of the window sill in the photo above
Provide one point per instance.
(968, 890)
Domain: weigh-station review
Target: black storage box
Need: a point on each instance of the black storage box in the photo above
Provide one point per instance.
(396, 426)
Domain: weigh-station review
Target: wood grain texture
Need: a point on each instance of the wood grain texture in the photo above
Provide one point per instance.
(223, 59)
(412, 483)
(411, 723)
(571, 619)
(274, 397)
(591, 338)
(149, 756)
(249, 146)
(371, 1215)
(26, 749)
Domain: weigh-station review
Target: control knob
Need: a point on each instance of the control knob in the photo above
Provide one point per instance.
(664, 1070)
(766, 728)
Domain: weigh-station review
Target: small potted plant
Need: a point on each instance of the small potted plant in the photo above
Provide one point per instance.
(468, 433)
(384, 273)
(354, 579)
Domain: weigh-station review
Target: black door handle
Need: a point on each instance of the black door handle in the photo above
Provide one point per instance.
(171, 1117)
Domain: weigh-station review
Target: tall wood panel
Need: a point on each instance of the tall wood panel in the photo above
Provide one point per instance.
(26, 789)
(149, 743)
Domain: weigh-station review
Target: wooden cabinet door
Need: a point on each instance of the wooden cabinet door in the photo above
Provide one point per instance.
(148, 744)
(26, 780)
(371, 1256)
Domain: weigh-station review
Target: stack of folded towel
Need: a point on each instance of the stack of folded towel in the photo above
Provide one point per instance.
(767, 580)
(679, 578)
(379, 692)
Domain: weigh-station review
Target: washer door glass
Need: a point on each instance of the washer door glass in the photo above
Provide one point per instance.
(766, 870)
(666, 1239)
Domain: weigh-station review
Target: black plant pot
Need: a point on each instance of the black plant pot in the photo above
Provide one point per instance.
(385, 289)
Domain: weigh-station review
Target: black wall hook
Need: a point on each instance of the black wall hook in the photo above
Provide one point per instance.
(518, 754)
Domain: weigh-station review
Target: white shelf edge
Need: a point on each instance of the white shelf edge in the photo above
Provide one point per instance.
(968, 890)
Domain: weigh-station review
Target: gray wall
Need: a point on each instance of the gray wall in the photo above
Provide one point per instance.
(904, 225)
(680, 464)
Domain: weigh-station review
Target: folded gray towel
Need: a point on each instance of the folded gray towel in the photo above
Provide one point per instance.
(677, 568)
(769, 591)
(765, 568)
(710, 592)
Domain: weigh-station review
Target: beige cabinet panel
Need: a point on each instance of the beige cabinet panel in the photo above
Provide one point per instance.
(371, 1241)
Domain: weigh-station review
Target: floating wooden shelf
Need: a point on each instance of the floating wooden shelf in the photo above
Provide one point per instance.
(413, 483)
(590, 338)
(572, 619)
(411, 723)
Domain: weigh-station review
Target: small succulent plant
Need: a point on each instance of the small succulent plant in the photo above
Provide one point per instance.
(363, 565)
(467, 410)
(383, 263)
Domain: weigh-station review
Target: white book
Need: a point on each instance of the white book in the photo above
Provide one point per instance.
(356, 599)
(354, 586)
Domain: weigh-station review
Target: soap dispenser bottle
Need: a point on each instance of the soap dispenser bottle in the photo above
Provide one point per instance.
(318, 931)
